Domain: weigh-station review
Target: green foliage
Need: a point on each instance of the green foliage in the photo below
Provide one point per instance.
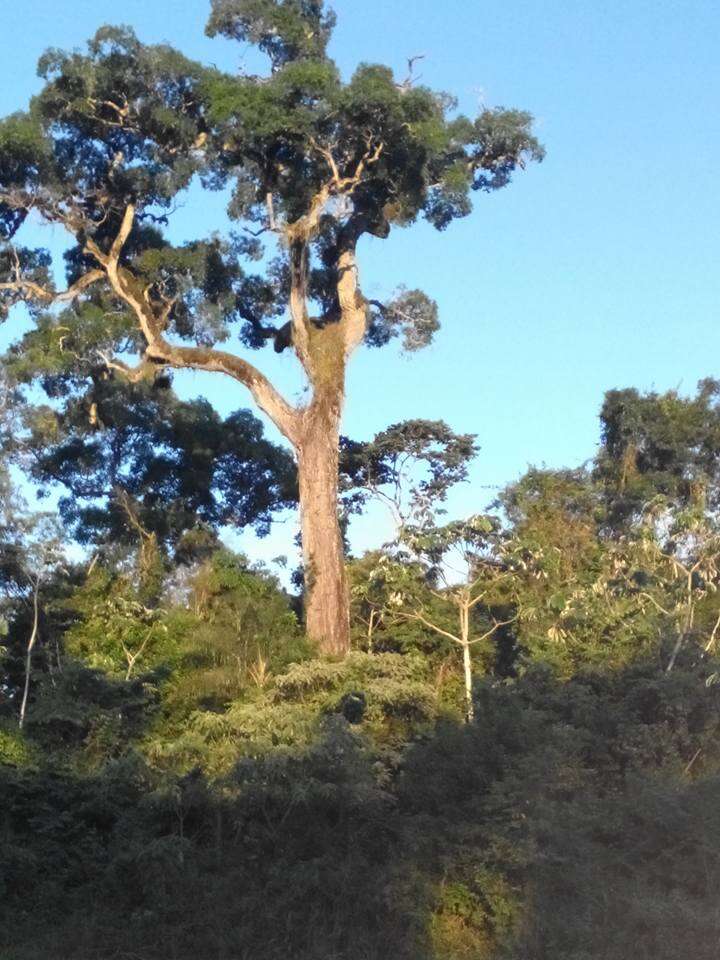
(122, 97)
(410, 314)
(82, 717)
(240, 795)
(388, 698)
(287, 30)
(571, 817)
(115, 632)
(409, 467)
(659, 444)
(22, 147)
(15, 751)
(135, 462)
(618, 563)
(376, 584)
(237, 631)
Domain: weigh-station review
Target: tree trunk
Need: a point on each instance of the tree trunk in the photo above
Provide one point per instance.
(327, 614)
(29, 653)
(467, 670)
(464, 603)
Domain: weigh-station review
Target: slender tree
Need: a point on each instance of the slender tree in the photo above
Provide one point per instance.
(456, 572)
(314, 164)
(30, 552)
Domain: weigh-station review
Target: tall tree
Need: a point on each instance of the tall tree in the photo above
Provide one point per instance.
(315, 164)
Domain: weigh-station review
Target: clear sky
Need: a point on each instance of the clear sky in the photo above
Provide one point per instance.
(597, 269)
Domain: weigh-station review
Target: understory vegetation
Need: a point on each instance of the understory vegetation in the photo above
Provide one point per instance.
(192, 780)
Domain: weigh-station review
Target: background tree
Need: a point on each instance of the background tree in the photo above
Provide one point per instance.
(409, 467)
(676, 572)
(659, 445)
(611, 559)
(142, 467)
(463, 565)
(315, 164)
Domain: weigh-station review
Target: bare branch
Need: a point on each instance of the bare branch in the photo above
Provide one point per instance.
(329, 158)
(496, 626)
(418, 616)
(654, 602)
(411, 77)
(34, 291)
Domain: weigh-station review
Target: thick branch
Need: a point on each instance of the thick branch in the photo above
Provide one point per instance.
(159, 350)
(353, 307)
(285, 417)
(304, 228)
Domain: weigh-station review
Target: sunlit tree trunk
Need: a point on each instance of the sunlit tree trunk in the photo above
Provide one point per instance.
(327, 615)
(467, 670)
(464, 606)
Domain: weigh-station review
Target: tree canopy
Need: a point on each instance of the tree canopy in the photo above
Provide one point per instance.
(313, 163)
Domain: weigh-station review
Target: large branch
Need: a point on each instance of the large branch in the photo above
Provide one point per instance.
(152, 323)
(285, 417)
(159, 350)
(305, 227)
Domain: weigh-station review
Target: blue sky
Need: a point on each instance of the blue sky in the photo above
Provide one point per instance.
(596, 269)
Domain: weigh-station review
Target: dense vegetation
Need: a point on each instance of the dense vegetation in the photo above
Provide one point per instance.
(192, 780)
(492, 738)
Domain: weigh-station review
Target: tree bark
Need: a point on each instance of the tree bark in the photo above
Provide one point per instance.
(327, 617)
